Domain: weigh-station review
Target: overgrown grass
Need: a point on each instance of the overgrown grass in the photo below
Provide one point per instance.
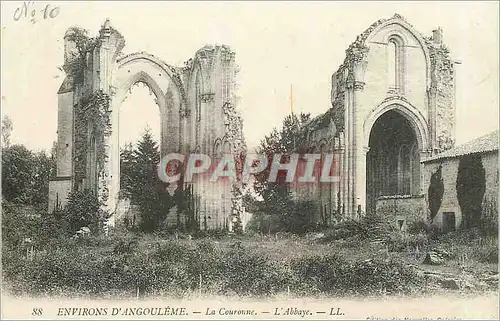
(353, 258)
(132, 266)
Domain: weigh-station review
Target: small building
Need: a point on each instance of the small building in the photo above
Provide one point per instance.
(462, 184)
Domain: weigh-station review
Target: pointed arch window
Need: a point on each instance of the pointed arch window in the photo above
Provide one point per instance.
(395, 71)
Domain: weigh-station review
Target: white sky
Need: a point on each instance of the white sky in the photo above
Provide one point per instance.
(276, 44)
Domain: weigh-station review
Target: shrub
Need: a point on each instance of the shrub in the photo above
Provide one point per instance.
(369, 227)
(318, 274)
(419, 226)
(84, 209)
(399, 242)
(247, 272)
(381, 276)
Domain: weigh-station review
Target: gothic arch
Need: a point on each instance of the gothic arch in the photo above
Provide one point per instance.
(126, 85)
(163, 81)
(157, 70)
(217, 147)
(416, 119)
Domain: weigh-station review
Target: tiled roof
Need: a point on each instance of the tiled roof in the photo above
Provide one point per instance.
(483, 144)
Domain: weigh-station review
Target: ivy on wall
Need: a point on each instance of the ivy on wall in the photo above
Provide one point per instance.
(435, 192)
(77, 61)
(92, 120)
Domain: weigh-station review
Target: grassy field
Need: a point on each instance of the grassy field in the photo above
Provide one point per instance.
(281, 265)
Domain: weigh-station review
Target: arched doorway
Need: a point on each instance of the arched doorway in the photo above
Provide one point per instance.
(393, 159)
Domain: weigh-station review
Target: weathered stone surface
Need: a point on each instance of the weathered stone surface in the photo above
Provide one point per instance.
(88, 143)
(433, 258)
(436, 257)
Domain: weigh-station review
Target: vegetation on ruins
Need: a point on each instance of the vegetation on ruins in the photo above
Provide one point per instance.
(92, 122)
(471, 186)
(435, 193)
(84, 45)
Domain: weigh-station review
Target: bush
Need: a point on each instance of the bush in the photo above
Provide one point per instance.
(246, 272)
(369, 227)
(399, 242)
(84, 209)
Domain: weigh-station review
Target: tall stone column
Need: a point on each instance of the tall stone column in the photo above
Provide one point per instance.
(350, 147)
(114, 159)
(359, 157)
(359, 149)
(109, 171)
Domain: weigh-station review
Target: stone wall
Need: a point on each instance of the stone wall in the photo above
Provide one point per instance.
(401, 211)
(58, 193)
(441, 94)
(449, 174)
(64, 134)
(88, 144)
(490, 202)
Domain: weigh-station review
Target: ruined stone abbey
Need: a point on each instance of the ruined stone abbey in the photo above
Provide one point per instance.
(392, 107)
(197, 113)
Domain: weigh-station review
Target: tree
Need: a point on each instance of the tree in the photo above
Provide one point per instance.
(84, 209)
(26, 175)
(140, 182)
(290, 138)
(17, 174)
(290, 215)
(127, 167)
(6, 131)
(435, 192)
(471, 186)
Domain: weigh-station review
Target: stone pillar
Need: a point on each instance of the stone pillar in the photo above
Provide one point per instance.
(343, 164)
(359, 156)
(108, 175)
(114, 159)
(358, 148)
(350, 148)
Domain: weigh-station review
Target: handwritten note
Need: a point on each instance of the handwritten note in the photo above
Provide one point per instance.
(28, 10)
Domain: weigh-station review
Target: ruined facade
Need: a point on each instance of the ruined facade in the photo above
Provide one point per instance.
(197, 110)
(392, 105)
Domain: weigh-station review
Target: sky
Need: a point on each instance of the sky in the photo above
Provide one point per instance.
(277, 44)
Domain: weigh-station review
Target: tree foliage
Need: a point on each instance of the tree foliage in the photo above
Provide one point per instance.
(435, 193)
(141, 184)
(26, 175)
(471, 186)
(291, 137)
(84, 209)
(286, 214)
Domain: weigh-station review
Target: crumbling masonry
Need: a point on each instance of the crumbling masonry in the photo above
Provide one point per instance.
(197, 110)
